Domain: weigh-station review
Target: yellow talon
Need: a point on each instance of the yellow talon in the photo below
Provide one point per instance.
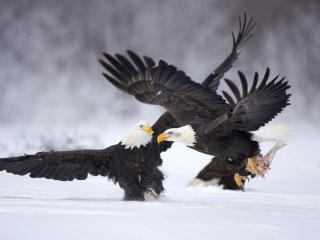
(239, 180)
(252, 165)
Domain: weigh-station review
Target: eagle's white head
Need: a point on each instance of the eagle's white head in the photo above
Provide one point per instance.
(139, 135)
(185, 135)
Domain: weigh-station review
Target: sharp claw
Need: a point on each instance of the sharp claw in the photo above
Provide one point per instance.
(240, 180)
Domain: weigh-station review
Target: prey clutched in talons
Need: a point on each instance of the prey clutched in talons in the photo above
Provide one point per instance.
(260, 165)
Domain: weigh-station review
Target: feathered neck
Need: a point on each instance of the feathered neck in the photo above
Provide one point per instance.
(136, 138)
(188, 135)
(185, 135)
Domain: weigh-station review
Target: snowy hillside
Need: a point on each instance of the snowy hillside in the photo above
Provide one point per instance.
(285, 205)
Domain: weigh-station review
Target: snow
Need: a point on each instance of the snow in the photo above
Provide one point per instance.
(284, 205)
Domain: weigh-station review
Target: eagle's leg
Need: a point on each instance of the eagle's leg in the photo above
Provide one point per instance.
(229, 183)
(240, 180)
(133, 194)
(157, 180)
(132, 191)
(152, 182)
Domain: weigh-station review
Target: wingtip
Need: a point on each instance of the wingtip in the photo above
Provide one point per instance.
(240, 73)
(102, 62)
(106, 55)
(131, 53)
(162, 63)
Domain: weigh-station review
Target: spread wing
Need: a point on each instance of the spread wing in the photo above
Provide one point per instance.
(122, 70)
(170, 88)
(243, 35)
(63, 166)
(253, 108)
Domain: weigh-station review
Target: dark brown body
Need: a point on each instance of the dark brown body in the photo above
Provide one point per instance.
(135, 170)
(236, 146)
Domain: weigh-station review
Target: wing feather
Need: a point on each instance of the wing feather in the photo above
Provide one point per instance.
(261, 104)
(244, 83)
(127, 64)
(255, 81)
(137, 61)
(63, 166)
(168, 87)
(244, 34)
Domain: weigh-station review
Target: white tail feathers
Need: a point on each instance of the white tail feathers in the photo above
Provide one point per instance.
(272, 133)
(272, 152)
(195, 182)
(198, 181)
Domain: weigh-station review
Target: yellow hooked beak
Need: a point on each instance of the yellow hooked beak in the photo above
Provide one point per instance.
(162, 137)
(148, 129)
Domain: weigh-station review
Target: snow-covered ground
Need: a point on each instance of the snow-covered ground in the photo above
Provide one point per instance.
(284, 205)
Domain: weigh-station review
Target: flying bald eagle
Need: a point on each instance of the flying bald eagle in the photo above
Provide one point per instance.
(122, 69)
(210, 124)
(133, 163)
(214, 171)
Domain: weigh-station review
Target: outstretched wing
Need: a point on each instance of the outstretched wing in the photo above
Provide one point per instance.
(63, 166)
(244, 34)
(255, 107)
(172, 89)
(122, 70)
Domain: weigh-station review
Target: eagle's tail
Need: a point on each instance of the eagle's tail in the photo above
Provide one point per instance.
(272, 133)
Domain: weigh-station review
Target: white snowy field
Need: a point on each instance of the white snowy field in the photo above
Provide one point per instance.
(284, 205)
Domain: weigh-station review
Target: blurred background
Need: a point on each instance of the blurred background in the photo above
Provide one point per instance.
(50, 75)
(53, 96)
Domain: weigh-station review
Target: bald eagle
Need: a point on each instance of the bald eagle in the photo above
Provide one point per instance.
(220, 170)
(210, 124)
(122, 69)
(133, 163)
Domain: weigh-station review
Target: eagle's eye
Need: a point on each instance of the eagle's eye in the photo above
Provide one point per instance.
(170, 132)
(141, 126)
